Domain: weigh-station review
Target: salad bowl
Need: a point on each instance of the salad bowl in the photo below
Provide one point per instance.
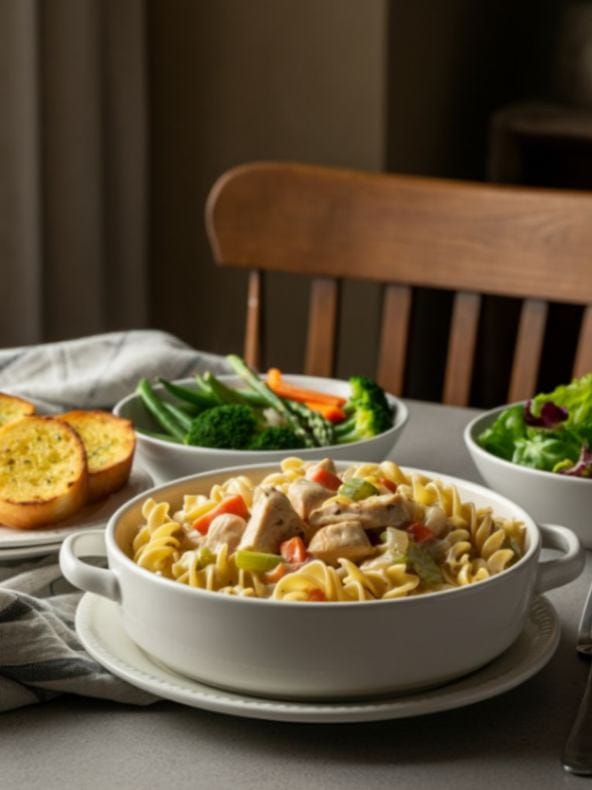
(547, 496)
(165, 460)
(289, 649)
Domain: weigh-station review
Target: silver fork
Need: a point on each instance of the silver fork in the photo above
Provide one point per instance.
(577, 754)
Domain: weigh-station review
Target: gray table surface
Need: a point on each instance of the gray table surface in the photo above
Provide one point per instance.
(511, 741)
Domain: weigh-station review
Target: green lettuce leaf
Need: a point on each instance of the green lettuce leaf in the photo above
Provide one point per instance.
(547, 450)
(576, 397)
(501, 436)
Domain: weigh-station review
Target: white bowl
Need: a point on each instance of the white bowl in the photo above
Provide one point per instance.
(168, 461)
(547, 496)
(286, 649)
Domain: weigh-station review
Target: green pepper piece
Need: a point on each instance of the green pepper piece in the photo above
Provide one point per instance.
(357, 489)
(257, 561)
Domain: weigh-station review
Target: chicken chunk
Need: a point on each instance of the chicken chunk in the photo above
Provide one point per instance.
(435, 519)
(306, 496)
(345, 540)
(226, 528)
(273, 520)
(386, 510)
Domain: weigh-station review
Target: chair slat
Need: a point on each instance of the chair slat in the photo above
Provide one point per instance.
(529, 346)
(393, 338)
(461, 348)
(322, 326)
(254, 329)
(583, 361)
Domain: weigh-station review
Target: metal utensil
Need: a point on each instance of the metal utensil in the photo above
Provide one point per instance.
(577, 754)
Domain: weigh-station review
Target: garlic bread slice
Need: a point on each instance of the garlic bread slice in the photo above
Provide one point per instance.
(109, 442)
(13, 408)
(43, 473)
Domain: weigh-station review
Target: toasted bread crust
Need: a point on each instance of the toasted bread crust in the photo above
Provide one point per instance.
(110, 443)
(13, 408)
(43, 472)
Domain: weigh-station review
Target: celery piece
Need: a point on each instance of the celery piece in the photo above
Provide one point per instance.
(357, 489)
(205, 557)
(257, 561)
(424, 565)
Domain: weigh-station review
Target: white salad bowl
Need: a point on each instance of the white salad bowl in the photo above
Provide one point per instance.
(547, 496)
(167, 460)
(325, 650)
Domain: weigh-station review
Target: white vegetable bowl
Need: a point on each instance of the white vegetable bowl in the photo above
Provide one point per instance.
(328, 650)
(167, 460)
(547, 496)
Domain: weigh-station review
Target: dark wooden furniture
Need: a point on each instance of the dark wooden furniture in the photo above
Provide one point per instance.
(406, 232)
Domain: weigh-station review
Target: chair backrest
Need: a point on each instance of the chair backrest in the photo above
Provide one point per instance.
(405, 231)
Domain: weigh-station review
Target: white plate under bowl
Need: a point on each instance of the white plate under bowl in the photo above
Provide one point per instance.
(91, 516)
(29, 552)
(100, 629)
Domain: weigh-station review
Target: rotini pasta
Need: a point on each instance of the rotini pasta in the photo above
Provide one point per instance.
(381, 534)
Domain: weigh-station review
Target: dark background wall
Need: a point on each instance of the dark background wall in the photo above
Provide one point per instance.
(403, 86)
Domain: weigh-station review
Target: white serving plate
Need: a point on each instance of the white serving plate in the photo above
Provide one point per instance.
(100, 629)
(93, 516)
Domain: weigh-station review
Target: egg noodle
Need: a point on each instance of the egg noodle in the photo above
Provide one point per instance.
(410, 536)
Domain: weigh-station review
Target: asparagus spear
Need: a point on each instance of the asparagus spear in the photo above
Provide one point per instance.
(271, 399)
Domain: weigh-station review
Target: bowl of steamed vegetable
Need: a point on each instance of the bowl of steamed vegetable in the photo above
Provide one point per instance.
(539, 454)
(214, 421)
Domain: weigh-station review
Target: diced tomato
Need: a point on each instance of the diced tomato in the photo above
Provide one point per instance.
(234, 504)
(384, 481)
(271, 577)
(419, 532)
(324, 477)
(294, 551)
(316, 594)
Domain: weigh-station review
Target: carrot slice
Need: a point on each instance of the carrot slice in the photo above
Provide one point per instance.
(329, 412)
(276, 383)
(271, 577)
(294, 551)
(232, 504)
(324, 477)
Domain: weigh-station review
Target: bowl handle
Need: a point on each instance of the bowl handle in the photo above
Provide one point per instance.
(81, 574)
(555, 573)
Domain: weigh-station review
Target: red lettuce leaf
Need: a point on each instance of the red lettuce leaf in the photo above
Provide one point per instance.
(582, 467)
(551, 415)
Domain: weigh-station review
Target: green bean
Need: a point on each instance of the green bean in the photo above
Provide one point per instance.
(183, 419)
(155, 406)
(221, 391)
(189, 396)
(205, 388)
(231, 395)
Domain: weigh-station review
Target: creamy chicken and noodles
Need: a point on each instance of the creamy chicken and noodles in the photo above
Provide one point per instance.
(310, 533)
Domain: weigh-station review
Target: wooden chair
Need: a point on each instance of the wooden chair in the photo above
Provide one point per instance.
(407, 232)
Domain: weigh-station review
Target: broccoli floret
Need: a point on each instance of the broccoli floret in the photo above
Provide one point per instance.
(277, 438)
(231, 427)
(365, 391)
(368, 409)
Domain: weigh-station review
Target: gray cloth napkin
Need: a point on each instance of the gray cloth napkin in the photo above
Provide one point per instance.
(40, 654)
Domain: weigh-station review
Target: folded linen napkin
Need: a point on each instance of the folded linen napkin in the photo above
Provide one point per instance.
(40, 654)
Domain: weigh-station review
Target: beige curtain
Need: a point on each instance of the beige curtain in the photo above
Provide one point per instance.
(73, 176)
